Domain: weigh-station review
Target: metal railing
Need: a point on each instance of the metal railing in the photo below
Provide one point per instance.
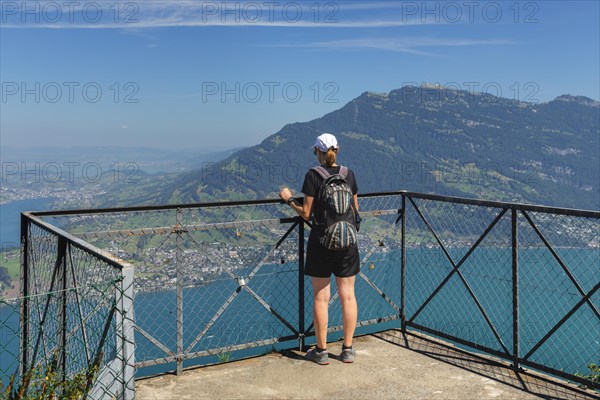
(214, 280)
(516, 281)
(76, 319)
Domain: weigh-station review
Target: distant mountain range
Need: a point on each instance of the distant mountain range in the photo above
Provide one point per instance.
(422, 139)
(145, 159)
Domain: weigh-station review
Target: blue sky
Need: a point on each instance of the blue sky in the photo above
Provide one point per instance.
(212, 75)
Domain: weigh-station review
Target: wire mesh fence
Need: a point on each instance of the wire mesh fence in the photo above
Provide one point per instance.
(559, 257)
(452, 286)
(71, 321)
(519, 282)
(9, 340)
(209, 280)
(214, 282)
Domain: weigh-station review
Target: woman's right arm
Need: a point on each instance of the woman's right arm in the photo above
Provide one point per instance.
(305, 209)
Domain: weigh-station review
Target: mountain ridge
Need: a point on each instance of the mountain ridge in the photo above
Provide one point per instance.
(424, 139)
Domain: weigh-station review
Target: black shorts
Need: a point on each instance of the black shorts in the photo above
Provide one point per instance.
(322, 262)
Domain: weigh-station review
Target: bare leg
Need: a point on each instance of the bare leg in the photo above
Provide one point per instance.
(345, 288)
(322, 294)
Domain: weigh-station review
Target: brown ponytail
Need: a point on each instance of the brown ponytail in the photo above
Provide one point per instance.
(330, 156)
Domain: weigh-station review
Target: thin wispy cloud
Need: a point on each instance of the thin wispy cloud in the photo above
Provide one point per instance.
(406, 45)
(174, 23)
(408, 6)
(189, 13)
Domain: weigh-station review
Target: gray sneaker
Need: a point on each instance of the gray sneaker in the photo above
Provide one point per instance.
(321, 358)
(348, 355)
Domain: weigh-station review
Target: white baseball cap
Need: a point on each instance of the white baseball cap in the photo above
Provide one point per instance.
(325, 142)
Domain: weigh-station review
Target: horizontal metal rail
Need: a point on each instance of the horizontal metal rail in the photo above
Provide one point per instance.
(103, 255)
(414, 195)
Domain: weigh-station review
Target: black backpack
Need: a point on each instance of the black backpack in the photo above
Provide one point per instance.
(334, 215)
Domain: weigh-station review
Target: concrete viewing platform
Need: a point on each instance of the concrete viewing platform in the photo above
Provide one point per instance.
(389, 365)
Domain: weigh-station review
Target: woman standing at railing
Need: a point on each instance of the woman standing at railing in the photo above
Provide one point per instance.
(330, 198)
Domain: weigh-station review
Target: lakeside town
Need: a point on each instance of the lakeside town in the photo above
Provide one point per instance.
(206, 261)
(58, 197)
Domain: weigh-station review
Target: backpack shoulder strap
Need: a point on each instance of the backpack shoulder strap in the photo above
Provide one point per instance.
(323, 173)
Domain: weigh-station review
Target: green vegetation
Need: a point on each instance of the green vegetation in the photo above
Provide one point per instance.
(11, 262)
(45, 382)
(10, 266)
(224, 356)
(593, 376)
